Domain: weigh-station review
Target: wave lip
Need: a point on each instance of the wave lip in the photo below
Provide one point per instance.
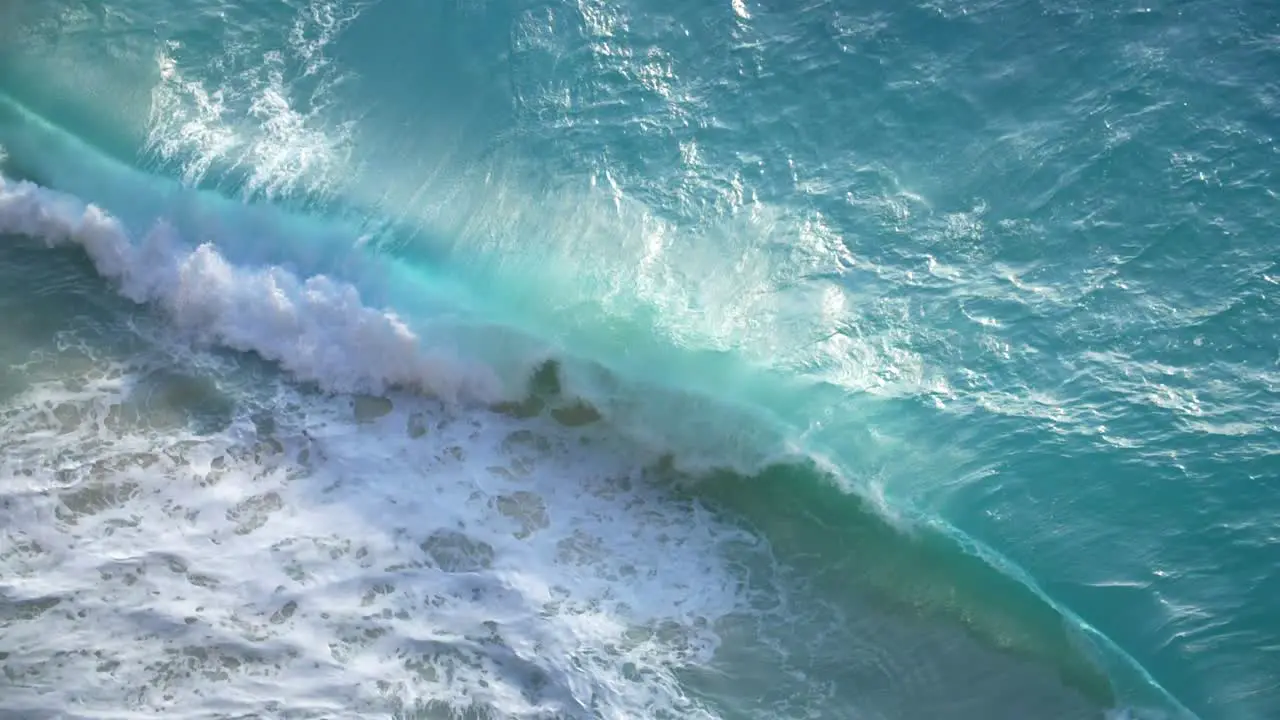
(318, 328)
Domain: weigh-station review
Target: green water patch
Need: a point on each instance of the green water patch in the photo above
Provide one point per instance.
(63, 323)
(57, 313)
(545, 394)
(844, 545)
(170, 398)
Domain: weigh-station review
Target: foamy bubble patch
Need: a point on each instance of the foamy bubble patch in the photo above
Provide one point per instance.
(339, 561)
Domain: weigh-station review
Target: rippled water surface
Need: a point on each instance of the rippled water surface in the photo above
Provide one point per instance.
(468, 358)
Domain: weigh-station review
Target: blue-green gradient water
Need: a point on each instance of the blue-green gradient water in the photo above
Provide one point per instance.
(639, 359)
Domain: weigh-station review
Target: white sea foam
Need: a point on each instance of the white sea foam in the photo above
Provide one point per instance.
(317, 328)
(327, 562)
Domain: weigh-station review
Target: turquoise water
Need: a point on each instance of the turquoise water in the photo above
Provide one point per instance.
(639, 359)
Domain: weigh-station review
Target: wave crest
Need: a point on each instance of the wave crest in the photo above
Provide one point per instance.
(317, 328)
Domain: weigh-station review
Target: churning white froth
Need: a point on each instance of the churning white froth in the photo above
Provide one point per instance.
(324, 557)
(317, 328)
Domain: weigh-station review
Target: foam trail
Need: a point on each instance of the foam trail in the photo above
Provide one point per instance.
(318, 328)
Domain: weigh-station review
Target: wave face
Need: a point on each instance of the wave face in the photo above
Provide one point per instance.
(638, 359)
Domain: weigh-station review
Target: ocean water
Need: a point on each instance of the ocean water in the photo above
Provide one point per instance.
(639, 359)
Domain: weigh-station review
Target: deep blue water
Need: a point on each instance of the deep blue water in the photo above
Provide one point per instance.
(964, 317)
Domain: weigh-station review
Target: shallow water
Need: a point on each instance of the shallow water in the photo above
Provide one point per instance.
(638, 360)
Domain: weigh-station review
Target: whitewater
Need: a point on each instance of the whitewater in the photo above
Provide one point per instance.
(633, 360)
